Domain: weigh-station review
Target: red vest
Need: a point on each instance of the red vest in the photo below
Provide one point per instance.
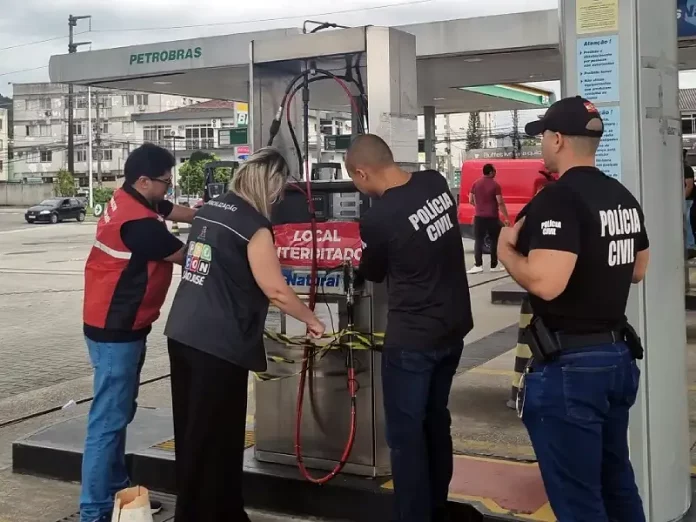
(116, 298)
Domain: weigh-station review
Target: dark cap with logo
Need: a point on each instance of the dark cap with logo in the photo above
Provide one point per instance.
(573, 116)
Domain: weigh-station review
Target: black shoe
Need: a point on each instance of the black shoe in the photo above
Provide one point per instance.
(155, 506)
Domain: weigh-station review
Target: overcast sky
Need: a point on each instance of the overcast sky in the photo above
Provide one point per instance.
(128, 22)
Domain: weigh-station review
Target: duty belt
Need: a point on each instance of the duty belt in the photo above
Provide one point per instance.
(578, 341)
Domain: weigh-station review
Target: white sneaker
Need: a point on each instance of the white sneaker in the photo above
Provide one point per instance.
(475, 270)
(499, 268)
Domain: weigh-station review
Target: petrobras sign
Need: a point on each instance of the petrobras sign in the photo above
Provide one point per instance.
(336, 243)
(328, 282)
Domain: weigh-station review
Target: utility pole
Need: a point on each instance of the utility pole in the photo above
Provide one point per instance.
(98, 139)
(516, 147)
(448, 141)
(72, 48)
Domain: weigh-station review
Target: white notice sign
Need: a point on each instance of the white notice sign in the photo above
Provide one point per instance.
(609, 152)
(598, 69)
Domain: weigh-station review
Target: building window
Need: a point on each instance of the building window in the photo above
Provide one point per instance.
(128, 127)
(105, 127)
(46, 156)
(45, 104)
(142, 99)
(33, 157)
(128, 100)
(81, 102)
(1, 124)
(326, 127)
(107, 102)
(200, 137)
(80, 155)
(0, 165)
(157, 134)
(1, 144)
(107, 155)
(44, 130)
(688, 126)
(79, 129)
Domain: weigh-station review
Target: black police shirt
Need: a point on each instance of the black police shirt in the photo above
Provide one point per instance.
(594, 216)
(218, 308)
(411, 237)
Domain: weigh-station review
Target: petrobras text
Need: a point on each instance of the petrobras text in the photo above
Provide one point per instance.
(328, 282)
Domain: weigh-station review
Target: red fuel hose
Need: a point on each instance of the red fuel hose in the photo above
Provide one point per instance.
(309, 351)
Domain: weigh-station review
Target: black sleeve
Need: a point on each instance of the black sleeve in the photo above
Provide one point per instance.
(164, 208)
(553, 223)
(373, 263)
(642, 243)
(149, 238)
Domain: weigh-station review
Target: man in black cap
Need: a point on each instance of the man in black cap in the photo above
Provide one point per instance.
(577, 248)
(127, 275)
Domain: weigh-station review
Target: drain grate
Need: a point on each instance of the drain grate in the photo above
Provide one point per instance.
(168, 445)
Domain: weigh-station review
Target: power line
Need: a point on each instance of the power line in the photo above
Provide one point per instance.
(260, 20)
(24, 70)
(37, 42)
(214, 24)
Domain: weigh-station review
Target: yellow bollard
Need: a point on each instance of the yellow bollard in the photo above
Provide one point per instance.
(175, 228)
(522, 352)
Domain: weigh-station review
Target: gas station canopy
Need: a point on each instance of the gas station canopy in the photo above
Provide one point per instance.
(495, 50)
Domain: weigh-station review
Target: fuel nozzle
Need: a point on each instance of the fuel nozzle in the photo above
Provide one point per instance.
(349, 280)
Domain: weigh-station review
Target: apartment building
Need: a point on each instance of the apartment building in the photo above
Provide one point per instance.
(220, 127)
(41, 130)
(4, 144)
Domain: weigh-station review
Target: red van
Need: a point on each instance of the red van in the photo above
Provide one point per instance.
(519, 179)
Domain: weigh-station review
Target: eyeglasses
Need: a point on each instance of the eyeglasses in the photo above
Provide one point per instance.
(167, 182)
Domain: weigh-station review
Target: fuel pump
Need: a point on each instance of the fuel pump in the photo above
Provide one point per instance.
(319, 405)
(213, 188)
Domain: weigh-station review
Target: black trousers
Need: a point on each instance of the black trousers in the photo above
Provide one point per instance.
(485, 226)
(209, 399)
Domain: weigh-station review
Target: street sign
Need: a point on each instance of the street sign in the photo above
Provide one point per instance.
(229, 137)
(98, 209)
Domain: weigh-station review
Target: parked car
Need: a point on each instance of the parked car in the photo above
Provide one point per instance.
(56, 209)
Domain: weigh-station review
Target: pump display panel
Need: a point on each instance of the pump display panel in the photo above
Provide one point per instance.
(333, 200)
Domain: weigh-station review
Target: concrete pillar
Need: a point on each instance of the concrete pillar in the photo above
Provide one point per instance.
(392, 91)
(430, 141)
(622, 55)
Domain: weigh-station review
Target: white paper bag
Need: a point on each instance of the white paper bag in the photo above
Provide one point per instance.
(132, 505)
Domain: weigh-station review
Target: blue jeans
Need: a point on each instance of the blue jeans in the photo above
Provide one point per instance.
(416, 386)
(116, 380)
(690, 242)
(576, 412)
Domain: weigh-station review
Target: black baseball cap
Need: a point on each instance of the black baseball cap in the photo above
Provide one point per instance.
(570, 117)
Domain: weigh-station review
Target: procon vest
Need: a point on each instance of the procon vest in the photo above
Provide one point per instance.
(123, 293)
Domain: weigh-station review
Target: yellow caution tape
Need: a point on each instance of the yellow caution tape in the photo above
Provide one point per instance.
(357, 341)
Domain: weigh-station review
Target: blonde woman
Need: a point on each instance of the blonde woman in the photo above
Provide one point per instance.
(215, 336)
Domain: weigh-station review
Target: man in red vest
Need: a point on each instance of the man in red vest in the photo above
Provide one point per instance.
(127, 275)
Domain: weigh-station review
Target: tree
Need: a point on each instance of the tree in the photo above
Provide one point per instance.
(65, 184)
(474, 134)
(192, 177)
(6, 103)
(191, 173)
(102, 195)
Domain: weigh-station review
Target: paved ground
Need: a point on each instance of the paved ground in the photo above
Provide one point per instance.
(45, 366)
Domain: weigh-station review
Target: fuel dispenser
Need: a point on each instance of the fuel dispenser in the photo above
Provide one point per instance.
(319, 404)
(213, 188)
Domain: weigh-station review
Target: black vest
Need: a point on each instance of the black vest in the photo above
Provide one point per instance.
(218, 308)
